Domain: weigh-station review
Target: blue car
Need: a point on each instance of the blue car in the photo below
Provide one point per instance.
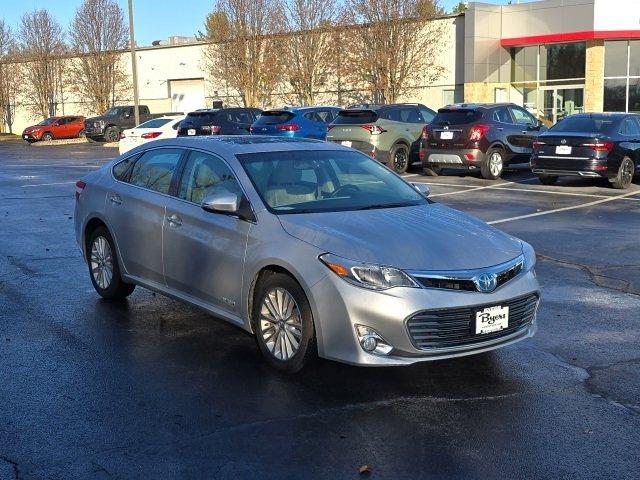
(300, 122)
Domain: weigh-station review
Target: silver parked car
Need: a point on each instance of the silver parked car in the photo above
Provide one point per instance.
(313, 247)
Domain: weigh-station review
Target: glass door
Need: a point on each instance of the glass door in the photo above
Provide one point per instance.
(560, 101)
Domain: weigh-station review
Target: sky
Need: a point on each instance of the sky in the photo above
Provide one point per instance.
(154, 19)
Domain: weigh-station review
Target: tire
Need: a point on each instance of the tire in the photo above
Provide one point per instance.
(46, 137)
(272, 293)
(399, 158)
(111, 134)
(82, 134)
(432, 170)
(548, 179)
(623, 179)
(493, 166)
(101, 256)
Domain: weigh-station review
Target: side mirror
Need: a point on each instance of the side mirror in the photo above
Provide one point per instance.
(223, 202)
(422, 188)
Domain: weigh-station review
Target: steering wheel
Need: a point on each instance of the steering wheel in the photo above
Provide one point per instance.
(346, 187)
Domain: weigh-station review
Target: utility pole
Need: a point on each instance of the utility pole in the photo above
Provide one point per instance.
(134, 65)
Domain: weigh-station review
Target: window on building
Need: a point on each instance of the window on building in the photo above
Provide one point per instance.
(448, 97)
(622, 76)
(562, 61)
(500, 95)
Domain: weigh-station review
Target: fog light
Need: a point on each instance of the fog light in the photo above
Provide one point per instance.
(371, 341)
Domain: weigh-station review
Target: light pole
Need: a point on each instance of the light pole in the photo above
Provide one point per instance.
(134, 65)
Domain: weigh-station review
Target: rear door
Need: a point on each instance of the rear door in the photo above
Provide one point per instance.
(204, 251)
(135, 209)
(413, 122)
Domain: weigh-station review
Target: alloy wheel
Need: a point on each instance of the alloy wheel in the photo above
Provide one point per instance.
(626, 172)
(280, 323)
(101, 262)
(400, 160)
(495, 164)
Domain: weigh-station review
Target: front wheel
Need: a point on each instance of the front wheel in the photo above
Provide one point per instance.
(47, 137)
(283, 323)
(399, 158)
(625, 175)
(103, 266)
(492, 167)
(111, 134)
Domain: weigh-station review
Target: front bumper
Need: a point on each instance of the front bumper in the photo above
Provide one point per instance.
(467, 158)
(339, 306)
(31, 136)
(93, 131)
(577, 167)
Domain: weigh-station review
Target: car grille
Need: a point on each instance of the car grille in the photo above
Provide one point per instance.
(453, 327)
(464, 281)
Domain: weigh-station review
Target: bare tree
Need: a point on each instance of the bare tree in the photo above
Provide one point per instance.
(246, 54)
(309, 48)
(9, 77)
(97, 34)
(394, 45)
(41, 42)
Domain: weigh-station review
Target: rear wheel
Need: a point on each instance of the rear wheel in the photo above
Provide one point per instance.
(625, 175)
(399, 158)
(283, 323)
(47, 137)
(111, 134)
(493, 165)
(432, 170)
(548, 179)
(103, 266)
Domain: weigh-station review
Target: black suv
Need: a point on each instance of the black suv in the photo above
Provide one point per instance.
(218, 121)
(484, 136)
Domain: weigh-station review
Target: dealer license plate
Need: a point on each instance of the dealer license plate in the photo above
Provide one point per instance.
(563, 150)
(492, 319)
(446, 135)
(191, 131)
(346, 143)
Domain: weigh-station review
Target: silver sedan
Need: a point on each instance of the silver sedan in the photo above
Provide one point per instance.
(314, 248)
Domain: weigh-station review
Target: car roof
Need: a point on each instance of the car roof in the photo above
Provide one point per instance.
(603, 114)
(375, 106)
(476, 106)
(230, 145)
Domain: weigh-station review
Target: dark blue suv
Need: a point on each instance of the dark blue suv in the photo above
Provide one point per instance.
(301, 122)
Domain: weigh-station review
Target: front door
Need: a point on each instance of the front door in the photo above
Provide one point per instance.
(561, 101)
(135, 207)
(204, 251)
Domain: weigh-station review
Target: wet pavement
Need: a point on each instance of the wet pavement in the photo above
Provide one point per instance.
(152, 388)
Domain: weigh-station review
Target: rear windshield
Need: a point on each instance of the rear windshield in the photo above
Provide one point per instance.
(456, 117)
(355, 117)
(587, 124)
(274, 117)
(155, 123)
(200, 118)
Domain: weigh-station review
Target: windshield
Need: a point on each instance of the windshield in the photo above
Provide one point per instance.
(456, 117)
(586, 124)
(155, 123)
(48, 121)
(113, 112)
(273, 117)
(325, 181)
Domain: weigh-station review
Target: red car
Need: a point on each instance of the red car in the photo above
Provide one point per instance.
(55, 128)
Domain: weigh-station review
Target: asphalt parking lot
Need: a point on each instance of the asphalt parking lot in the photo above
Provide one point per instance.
(151, 388)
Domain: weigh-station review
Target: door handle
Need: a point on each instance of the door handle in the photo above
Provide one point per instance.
(115, 199)
(500, 129)
(174, 220)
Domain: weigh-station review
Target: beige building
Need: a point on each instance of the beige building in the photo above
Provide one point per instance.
(555, 57)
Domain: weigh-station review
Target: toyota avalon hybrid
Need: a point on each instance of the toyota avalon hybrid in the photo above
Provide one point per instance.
(314, 248)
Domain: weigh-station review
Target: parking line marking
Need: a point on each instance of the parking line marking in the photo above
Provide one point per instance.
(37, 165)
(45, 184)
(472, 189)
(564, 209)
(554, 192)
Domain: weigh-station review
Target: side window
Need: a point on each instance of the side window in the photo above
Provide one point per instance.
(392, 114)
(155, 169)
(121, 169)
(522, 117)
(409, 115)
(501, 115)
(426, 114)
(239, 116)
(205, 175)
(630, 127)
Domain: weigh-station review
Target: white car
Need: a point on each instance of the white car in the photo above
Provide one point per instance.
(156, 128)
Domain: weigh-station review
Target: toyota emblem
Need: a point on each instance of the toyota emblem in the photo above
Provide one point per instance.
(486, 282)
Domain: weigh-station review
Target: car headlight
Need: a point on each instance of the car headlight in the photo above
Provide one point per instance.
(529, 256)
(366, 275)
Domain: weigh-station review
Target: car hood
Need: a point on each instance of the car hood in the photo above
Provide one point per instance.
(425, 237)
(33, 128)
(95, 119)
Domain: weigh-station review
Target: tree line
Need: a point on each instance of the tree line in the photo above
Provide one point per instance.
(254, 48)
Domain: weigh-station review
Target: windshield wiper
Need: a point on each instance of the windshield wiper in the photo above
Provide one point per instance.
(384, 205)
